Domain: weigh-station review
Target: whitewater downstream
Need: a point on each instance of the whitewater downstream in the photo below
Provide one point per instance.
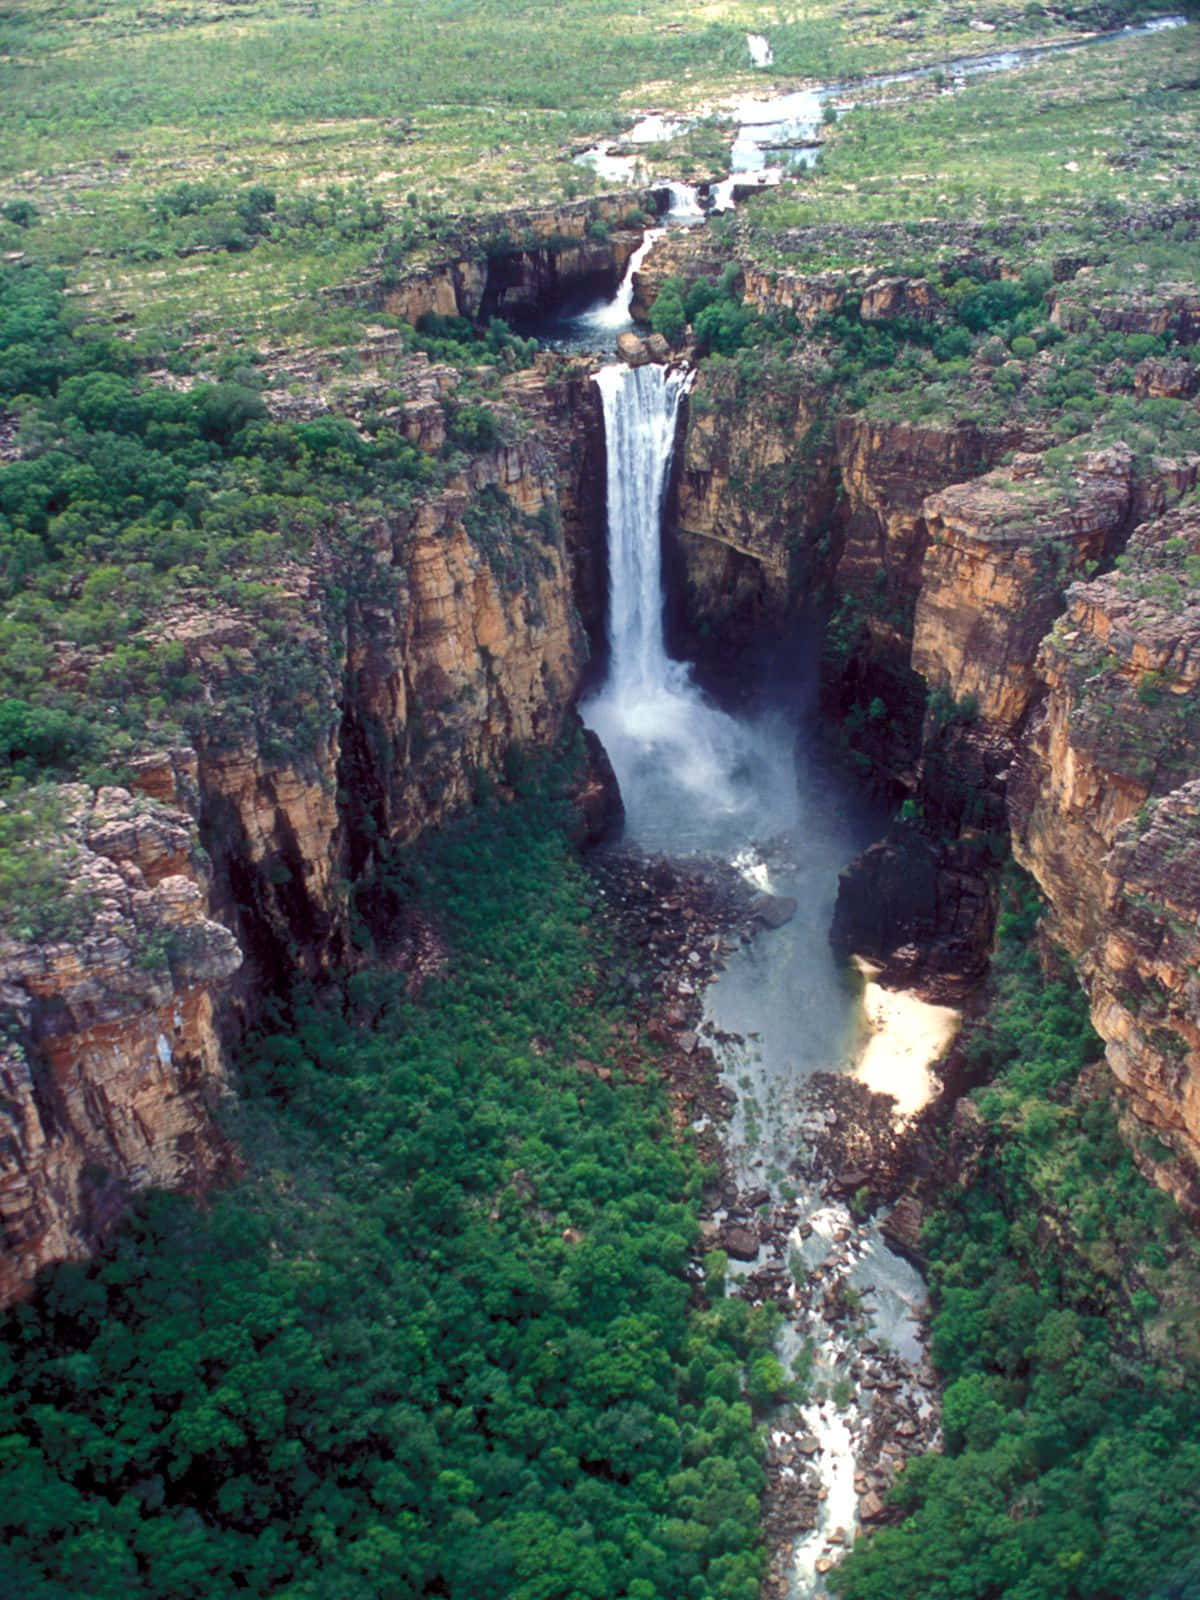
(783, 1019)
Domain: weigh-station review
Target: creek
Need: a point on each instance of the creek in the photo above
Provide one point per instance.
(747, 789)
(780, 133)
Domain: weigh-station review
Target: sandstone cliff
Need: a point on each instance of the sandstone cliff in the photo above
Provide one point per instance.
(756, 490)
(1001, 547)
(1104, 813)
(110, 1064)
(356, 699)
(522, 260)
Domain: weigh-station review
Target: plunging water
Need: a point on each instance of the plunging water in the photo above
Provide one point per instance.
(694, 778)
(595, 324)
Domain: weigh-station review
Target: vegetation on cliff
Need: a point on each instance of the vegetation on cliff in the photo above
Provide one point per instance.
(444, 1337)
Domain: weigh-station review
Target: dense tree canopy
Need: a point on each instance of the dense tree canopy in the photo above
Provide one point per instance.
(441, 1341)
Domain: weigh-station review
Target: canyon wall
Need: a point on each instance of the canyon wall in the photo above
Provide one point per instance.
(379, 683)
(1104, 814)
(522, 261)
(110, 1065)
(385, 676)
(976, 673)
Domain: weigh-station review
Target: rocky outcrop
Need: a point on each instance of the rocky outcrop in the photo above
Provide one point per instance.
(110, 1064)
(418, 656)
(889, 469)
(806, 295)
(1143, 974)
(686, 254)
(922, 908)
(1173, 309)
(756, 489)
(520, 261)
(1000, 550)
(478, 648)
(810, 296)
(1103, 810)
(560, 405)
(360, 697)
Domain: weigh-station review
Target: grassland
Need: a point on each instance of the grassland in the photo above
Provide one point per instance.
(374, 118)
(1087, 135)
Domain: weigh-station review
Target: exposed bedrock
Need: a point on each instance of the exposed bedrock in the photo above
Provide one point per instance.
(920, 908)
(111, 1065)
(392, 671)
(521, 261)
(1104, 809)
(1001, 548)
(756, 494)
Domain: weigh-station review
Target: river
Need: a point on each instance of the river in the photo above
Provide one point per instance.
(696, 780)
(775, 134)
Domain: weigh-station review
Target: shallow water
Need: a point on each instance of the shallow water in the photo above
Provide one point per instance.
(780, 131)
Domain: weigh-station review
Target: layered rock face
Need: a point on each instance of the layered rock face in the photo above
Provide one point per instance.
(480, 647)
(1104, 814)
(415, 660)
(889, 469)
(523, 260)
(1001, 547)
(755, 486)
(111, 1065)
(385, 676)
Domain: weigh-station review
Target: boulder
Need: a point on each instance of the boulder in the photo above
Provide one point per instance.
(740, 1243)
(922, 908)
(632, 350)
(773, 910)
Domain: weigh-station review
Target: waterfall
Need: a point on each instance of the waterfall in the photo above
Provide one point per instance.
(613, 315)
(641, 405)
(685, 207)
(684, 767)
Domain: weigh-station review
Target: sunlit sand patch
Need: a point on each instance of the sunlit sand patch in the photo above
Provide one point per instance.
(905, 1035)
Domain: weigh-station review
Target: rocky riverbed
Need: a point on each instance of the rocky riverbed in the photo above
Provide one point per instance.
(865, 1396)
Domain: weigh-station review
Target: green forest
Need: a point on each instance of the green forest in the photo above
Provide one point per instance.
(442, 1339)
(1064, 1332)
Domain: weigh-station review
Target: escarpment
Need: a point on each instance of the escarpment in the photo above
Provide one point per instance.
(523, 261)
(111, 1066)
(360, 697)
(756, 488)
(1103, 811)
(419, 649)
(971, 668)
(371, 684)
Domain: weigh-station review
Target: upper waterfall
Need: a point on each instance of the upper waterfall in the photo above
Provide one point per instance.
(609, 316)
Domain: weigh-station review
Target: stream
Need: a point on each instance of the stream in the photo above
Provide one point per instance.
(782, 1014)
(778, 134)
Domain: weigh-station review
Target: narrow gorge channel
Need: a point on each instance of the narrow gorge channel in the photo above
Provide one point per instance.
(747, 791)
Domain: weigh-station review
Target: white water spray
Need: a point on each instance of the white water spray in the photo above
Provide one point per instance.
(640, 409)
(612, 315)
(685, 207)
(760, 50)
(683, 766)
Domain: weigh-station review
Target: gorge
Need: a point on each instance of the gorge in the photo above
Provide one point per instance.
(533, 1223)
